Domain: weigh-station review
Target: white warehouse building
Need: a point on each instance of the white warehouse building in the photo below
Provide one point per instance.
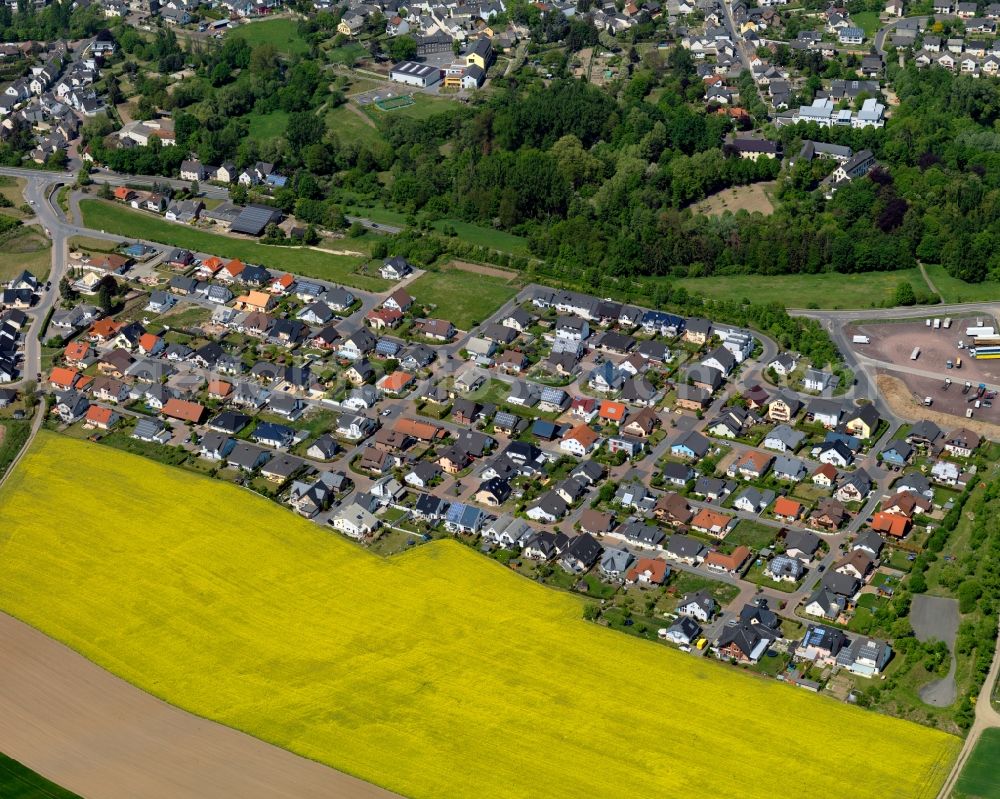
(414, 74)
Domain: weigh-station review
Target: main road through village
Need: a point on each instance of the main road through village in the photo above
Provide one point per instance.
(97, 735)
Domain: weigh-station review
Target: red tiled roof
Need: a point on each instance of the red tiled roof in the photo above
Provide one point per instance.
(61, 376)
(183, 410)
(99, 415)
(583, 434)
(890, 523)
(784, 506)
(615, 411)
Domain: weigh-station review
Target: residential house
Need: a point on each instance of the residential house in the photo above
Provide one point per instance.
(752, 465)
(685, 549)
(787, 510)
(744, 643)
(752, 500)
(683, 632)
(580, 440)
(825, 412)
(648, 571)
(580, 554)
(834, 453)
(783, 439)
(691, 445)
(731, 563)
(698, 605)
(788, 469)
(801, 544)
(857, 564)
(864, 656)
(829, 515)
(824, 604)
(897, 453)
(615, 563)
(355, 521)
(712, 522)
(863, 422)
(855, 487)
(783, 407)
(962, 443)
(891, 524)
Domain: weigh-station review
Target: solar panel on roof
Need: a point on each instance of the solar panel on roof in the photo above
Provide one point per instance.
(253, 219)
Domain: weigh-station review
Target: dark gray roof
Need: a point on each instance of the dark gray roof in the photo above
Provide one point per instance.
(684, 546)
(254, 218)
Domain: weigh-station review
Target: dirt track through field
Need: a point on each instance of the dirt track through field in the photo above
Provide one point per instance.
(482, 269)
(101, 737)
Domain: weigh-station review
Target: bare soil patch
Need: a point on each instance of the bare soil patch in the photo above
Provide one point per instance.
(752, 198)
(482, 269)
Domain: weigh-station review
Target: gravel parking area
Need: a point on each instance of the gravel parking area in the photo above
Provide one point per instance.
(936, 618)
(894, 342)
(951, 400)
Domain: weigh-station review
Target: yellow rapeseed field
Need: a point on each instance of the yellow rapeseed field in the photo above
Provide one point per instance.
(436, 674)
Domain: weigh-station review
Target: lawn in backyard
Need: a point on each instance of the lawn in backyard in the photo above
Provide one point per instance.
(102, 215)
(979, 778)
(239, 611)
(825, 290)
(282, 33)
(462, 297)
(755, 535)
(17, 781)
(868, 21)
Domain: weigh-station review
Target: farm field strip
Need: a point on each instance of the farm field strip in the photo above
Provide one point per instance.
(409, 672)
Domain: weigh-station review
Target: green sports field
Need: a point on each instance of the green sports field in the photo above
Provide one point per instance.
(436, 673)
